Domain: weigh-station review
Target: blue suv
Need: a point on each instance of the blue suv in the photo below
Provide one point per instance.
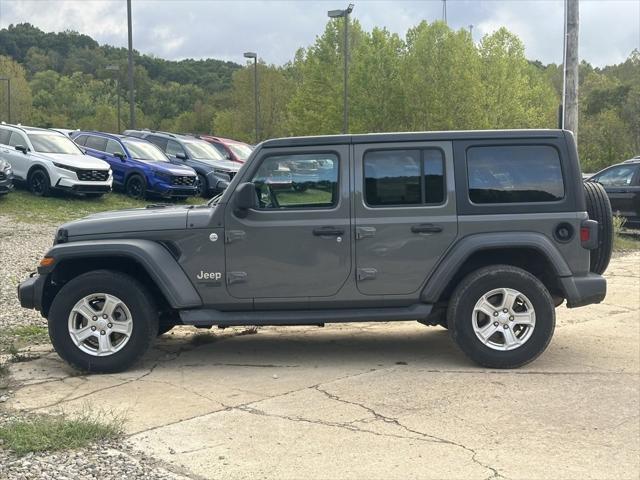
(139, 167)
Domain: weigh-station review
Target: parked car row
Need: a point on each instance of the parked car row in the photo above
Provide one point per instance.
(142, 163)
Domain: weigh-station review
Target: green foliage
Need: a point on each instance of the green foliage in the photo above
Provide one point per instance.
(20, 92)
(434, 78)
(43, 433)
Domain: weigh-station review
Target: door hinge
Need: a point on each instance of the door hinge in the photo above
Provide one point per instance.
(236, 277)
(367, 273)
(364, 232)
(233, 235)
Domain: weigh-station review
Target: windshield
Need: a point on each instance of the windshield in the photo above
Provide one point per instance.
(53, 143)
(145, 151)
(201, 150)
(241, 150)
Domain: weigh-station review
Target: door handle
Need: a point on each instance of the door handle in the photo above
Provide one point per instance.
(426, 228)
(328, 231)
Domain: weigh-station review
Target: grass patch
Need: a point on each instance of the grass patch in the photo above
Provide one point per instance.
(13, 339)
(621, 242)
(60, 208)
(43, 433)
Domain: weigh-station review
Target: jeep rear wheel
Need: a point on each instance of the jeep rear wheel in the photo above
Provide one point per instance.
(599, 209)
(102, 321)
(501, 316)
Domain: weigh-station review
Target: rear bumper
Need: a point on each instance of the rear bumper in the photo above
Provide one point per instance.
(30, 292)
(585, 290)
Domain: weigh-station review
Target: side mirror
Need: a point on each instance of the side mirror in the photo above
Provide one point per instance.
(181, 156)
(244, 199)
(22, 149)
(120, 155)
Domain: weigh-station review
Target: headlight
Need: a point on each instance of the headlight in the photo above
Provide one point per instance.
(65, 167)
(222, 174)
(162, 176)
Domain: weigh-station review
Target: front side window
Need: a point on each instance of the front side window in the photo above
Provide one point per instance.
(409, 177)
(514, 174)
(80, 139)
(298, 181)
(16, 139)
(145, 151)
(114, 147)
(201, 150)
(617, 176)
(174, 148)
(96, 143)
(53, 143)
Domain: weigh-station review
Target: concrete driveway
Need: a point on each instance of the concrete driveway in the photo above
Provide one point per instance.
(363, 401)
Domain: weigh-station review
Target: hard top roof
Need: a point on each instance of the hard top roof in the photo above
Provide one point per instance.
(412, 137)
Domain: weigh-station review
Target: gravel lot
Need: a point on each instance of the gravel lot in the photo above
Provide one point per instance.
(354, 401)
(21, 247)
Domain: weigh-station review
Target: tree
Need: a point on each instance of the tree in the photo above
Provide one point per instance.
(20, 92)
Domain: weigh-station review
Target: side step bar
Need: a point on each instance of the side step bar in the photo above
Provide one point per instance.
(206, 317)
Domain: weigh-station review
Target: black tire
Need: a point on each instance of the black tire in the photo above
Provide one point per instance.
(482, 281)
(202, 187)
(136, 187)
(599, 209)
(39, 182)
(136, 298)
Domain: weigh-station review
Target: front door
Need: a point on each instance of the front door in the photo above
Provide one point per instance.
(296, 244)
(405, 211)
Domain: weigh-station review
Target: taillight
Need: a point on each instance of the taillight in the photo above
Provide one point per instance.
(585, 234)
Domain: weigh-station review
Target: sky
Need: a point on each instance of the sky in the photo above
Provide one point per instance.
(177, 29)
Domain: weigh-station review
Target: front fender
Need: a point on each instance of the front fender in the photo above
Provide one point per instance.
(154, 258)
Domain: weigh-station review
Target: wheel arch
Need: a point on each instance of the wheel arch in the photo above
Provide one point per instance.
(532, 252)
(147, 261)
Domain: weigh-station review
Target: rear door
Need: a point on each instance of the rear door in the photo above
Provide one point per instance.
(405, 214)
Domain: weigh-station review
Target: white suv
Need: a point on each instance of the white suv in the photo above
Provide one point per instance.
(46, 159)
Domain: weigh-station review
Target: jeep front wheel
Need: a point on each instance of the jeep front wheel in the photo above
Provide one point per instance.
(102, 321)
(501, 316)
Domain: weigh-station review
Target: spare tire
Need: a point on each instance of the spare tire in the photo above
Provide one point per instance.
(599, 209)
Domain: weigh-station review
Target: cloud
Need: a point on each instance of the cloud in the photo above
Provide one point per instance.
(174, 29)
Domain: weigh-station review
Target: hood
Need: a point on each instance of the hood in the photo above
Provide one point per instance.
(228, 165)
(151, 218)
(75, 161)
(171, 168)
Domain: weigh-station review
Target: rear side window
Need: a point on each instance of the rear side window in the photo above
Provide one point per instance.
(404, 177)
(96, 143)
(514, 174)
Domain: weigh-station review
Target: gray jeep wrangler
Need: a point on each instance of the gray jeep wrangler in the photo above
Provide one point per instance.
(481, 232)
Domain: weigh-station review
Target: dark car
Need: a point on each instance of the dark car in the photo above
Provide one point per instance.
(230, 149)
(139, 167)
(622, 184)
(6, 177)
(213, 170)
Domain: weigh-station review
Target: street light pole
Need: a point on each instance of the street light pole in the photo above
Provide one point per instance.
(8, 80)
(132, 95)
(344, 14)
(255, 91)
(117, 69)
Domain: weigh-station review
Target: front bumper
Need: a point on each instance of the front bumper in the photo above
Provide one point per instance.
(6, 185)
(584, 290)
(30, 291)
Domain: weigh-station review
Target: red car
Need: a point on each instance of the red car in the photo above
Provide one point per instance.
(230, 149)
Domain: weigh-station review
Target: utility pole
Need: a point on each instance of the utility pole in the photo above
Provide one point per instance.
(8, 80)
(471, 31)
(132, 95)
(344, 14)
(444, 11)
(255, 93)
(571, 63)
(116, 68)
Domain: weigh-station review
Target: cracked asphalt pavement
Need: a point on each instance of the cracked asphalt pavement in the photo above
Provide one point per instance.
(374, 401)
